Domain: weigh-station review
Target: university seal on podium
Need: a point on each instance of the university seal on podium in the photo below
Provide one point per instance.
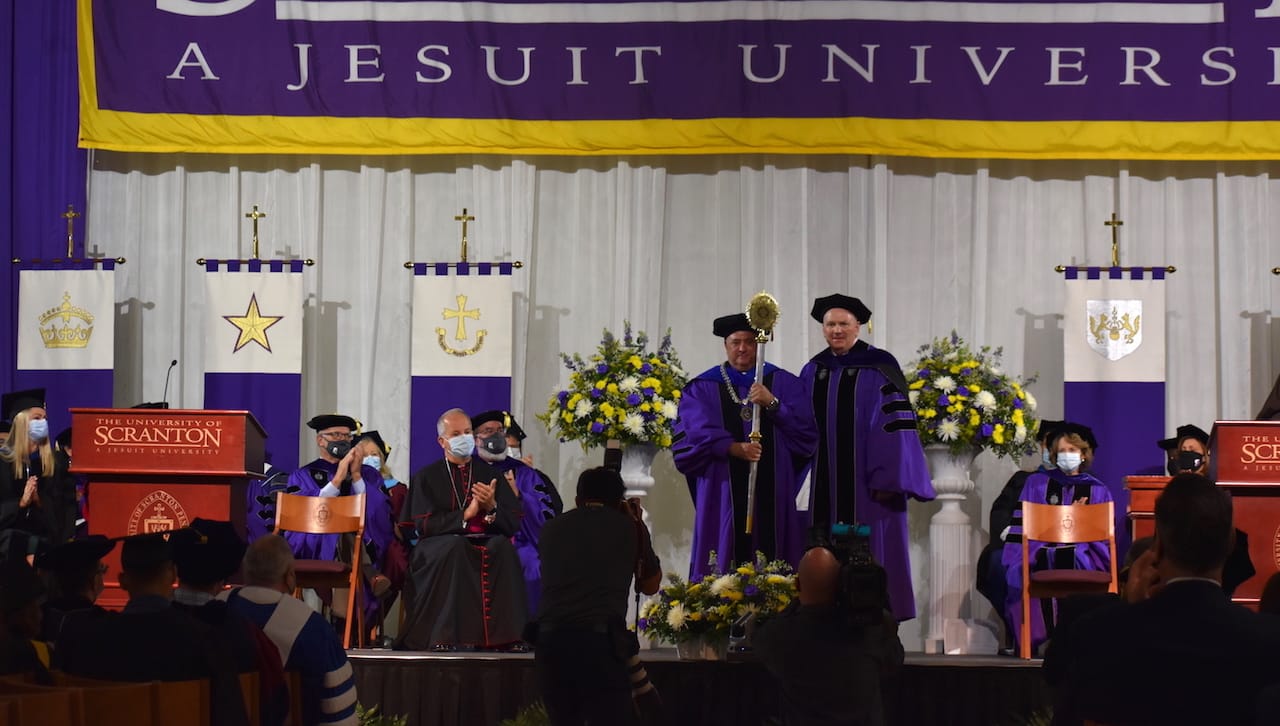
(159, 511)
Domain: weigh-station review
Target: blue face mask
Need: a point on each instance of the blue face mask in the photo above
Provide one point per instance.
(372, 462)
(1069, 461)
(38, 430)
(462, 445)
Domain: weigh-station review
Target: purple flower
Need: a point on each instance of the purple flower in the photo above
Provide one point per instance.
(924, 373)
(596, 393)
(634, 399)
(648, 415)
(602, 368)
(645, 368)
(944, 400)
(987, 430)
(562, 397)
(647, 391)
(751, 591)
(642, 623)
(597, 427)
(1017, 403)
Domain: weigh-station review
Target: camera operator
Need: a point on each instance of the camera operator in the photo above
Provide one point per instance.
(582, 646)
(829, 652)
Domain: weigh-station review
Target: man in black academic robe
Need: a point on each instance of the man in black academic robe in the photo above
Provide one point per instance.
(465, 586)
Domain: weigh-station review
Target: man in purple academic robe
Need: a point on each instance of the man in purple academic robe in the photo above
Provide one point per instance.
(539, 500)
(339, 471)
(869, 460)
(712, 450)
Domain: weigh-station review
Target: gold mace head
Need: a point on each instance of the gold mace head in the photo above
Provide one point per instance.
(762, 312)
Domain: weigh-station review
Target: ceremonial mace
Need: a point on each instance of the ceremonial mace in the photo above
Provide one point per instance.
(762, 314)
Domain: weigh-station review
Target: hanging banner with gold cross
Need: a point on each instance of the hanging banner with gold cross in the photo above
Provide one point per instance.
(253, 347)
(461, 345)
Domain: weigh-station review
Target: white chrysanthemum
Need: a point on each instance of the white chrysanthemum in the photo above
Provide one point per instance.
(629, 384)
(984, 400)
(1020, 434)
(913, 396)
(633, 423)
(948, 430)
(677, 370)
(1030, 401)
(995, 371)
(670, 410)
(583, 409)
(724, 584)
(951, 356)
(946, 384)
(676, 616)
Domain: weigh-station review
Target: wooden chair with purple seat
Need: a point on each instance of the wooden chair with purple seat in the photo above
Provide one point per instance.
(1064, 524)
(327, 515)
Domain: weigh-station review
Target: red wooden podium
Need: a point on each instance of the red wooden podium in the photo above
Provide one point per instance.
(151, 470)
(1245, 460)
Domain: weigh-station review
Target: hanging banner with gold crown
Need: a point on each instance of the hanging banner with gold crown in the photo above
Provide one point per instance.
(66, 328)
(461, 348)
(1114, 370)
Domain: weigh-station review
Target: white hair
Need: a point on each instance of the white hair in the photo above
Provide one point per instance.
(447, 414)
(267, 560)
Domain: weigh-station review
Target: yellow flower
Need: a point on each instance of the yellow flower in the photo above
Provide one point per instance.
(734, 595)
(600, 384)
(695, 616)
(955, 369)
(566, 416)
(612, 388)
(998, 435)
(664, 441)
(654, 360)
(607, 409)
(974, 418)
(653, 383)
(693, 589)
(916, 385)
(675, 395)
(635, 362)
(928, 413)
(974, 388)
(1017, 417)
(746, 570)
(573, 400)
(645, 407)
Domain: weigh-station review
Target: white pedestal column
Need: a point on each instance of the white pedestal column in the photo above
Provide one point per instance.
(951, 567)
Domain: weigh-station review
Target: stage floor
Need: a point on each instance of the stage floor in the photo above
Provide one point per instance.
(448, 689)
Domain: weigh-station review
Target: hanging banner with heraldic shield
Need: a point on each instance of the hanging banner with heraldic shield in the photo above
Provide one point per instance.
(1114, 327)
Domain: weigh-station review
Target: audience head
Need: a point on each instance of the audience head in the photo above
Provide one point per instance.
(269, 563)
(1193, 528)
(146, 565)
(20, 596)
(28, 428)
(373, 451)
(333, 429)
(818, 577)
(602, 485)
(75, 569)
(453, 433)
(1138, 573)
(207, 554)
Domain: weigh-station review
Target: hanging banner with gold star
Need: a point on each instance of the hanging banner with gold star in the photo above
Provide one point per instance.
(461, 345)
(253, 346)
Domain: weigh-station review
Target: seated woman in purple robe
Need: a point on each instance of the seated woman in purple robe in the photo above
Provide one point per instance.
(1071, 449)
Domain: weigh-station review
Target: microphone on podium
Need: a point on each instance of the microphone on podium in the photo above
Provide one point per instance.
(164, 399)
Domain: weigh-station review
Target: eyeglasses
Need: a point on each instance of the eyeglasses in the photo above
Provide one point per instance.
(336, 436)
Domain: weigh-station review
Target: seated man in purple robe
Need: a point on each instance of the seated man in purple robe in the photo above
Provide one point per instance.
(712, 450)
(340, 471)
(869, 461)
(465, 588)
(539, 500)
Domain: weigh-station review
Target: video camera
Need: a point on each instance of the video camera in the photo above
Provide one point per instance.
(863, 584)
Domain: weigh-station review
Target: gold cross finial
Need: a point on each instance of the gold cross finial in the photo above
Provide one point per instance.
(70, 215)
(1115, 224)
(464, 218)
(255, 215)
(461, 314)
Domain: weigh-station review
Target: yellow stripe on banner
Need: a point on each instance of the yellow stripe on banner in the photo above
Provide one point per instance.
(168, 133)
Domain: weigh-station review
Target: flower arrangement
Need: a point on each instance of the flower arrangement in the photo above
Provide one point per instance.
(683, 610)
(621, 392)
(964, 400)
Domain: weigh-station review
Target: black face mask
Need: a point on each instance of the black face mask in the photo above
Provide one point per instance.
(1190, 460)
(495, 444)
(1172, 467)
(338, 449)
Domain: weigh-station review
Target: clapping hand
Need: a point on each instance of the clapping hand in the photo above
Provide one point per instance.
(30, 495)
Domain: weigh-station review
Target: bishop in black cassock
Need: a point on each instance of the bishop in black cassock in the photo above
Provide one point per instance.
(464, 586)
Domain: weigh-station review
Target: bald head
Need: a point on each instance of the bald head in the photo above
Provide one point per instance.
(818, 577)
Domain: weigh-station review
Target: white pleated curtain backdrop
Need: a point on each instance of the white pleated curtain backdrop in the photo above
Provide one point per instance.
(929, 245)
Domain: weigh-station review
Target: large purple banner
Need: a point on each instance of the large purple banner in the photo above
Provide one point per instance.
(395, 76)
